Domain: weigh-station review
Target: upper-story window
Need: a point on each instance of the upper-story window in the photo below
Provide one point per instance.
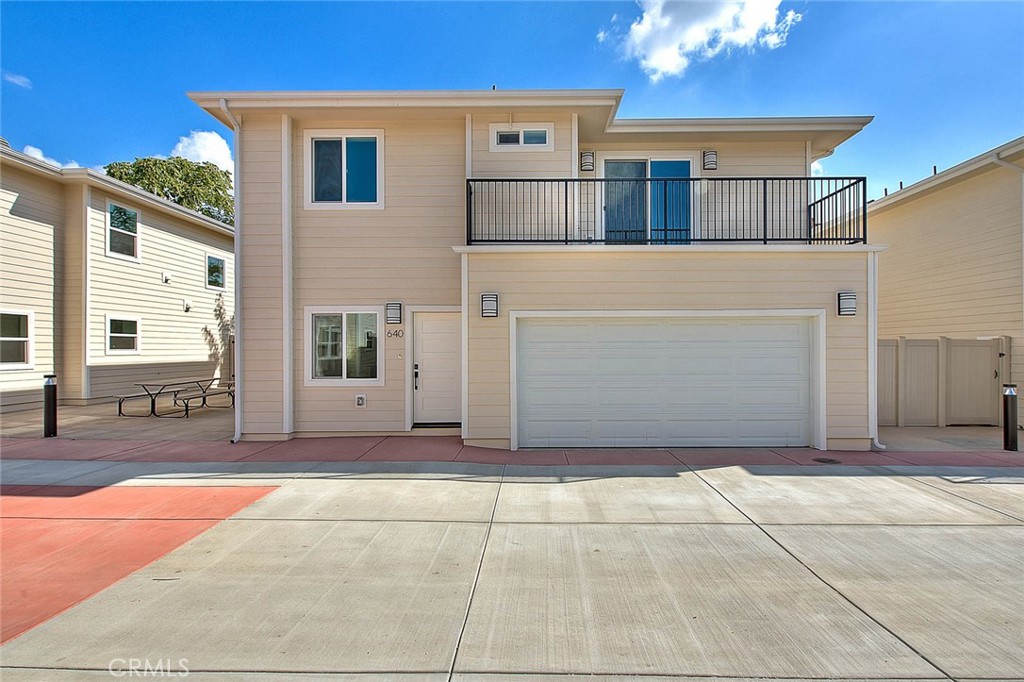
(122, 232)
(526, 137)
(344, 168)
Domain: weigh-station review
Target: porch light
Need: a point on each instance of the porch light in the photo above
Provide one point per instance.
(488, 305)
(393, 312)
(846, 303)
(586, 162)
(710, 160)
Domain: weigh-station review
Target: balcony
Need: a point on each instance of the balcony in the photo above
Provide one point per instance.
(667, 211)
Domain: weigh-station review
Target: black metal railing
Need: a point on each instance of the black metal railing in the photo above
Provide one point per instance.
(667, 211)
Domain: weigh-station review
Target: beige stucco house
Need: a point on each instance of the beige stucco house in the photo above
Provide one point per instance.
(951, 291)
(526, 269)
(105, 285)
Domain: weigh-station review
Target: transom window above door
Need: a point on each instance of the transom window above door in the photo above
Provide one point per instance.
(344, 168)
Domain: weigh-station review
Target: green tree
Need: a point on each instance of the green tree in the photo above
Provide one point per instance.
(201, 187)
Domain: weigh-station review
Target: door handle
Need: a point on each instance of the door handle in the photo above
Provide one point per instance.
(416, 377)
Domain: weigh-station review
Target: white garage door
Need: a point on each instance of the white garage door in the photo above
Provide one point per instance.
(650, 381)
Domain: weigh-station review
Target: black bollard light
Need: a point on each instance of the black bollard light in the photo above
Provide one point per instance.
(50, 406)
(1010, 417)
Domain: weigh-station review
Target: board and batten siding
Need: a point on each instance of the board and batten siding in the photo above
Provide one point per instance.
(629, 281)
(31, 227)
(366, 257)
(954, 266)
(173, 343)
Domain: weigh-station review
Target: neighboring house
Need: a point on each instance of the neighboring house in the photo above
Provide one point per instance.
(105, 285)
(952, 284)
(565, 278)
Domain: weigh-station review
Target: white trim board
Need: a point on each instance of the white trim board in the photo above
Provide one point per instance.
(816, 316)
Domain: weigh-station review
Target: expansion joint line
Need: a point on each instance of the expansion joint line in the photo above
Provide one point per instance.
(479, 568)
(832, 587)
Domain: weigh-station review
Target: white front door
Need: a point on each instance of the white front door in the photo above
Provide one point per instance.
(437, 368)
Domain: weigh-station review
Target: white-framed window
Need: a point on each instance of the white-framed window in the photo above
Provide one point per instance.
(122, 232)
(16, 347)
(123, 335)
(343, 169)
(522, 137)
(343, 346)
(216, 272)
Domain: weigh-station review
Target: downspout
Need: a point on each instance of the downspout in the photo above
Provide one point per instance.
(237, 127)
(873, 350)
(1012, 166)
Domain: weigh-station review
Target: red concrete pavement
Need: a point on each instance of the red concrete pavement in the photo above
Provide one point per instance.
(63, 544)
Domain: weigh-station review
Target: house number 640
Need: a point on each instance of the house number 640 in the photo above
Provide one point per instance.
(396, 333)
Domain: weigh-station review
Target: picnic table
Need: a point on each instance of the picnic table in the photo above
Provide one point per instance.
(158, 387)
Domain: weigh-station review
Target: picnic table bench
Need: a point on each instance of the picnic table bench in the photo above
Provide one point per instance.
(200, 388)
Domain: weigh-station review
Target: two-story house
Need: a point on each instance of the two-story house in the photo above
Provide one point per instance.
(105, 285)
(527, 268)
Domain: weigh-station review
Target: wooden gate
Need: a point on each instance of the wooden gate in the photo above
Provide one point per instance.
(941, 382)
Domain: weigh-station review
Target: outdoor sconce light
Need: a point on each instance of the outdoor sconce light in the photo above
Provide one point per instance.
(393, 312)
(165, 278)
(186, 305)
(586, 162)
(488, 305)
(846, 304)
(710, 160)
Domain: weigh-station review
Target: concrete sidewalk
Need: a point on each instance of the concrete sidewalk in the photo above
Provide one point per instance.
(456, 571)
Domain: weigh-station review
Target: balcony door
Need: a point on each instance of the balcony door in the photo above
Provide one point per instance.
(625, 211)
(638, 210)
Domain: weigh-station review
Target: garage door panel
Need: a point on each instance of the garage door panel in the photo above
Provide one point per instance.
(663, 381)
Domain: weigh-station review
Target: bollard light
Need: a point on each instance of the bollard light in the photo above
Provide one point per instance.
(50, 406)
(1010, 417)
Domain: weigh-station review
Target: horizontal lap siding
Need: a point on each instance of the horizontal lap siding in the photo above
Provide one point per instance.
(31, 228)
(557, 163)
(953, 267)
(675, 281)
(115, 379)
(168, 334)
(262, 321)
(735, 159)
(402, 252)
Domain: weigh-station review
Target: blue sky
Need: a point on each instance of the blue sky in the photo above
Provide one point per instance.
(95, 82)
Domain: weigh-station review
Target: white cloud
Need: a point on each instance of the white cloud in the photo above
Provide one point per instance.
(669, 35)
(205, 145)
(37, 153)
(602, 36)
(817, 170)
(17, 79)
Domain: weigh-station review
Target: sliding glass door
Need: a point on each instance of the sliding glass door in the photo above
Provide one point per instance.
(647, 201)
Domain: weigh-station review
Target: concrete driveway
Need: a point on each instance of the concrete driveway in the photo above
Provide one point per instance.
(452, 571)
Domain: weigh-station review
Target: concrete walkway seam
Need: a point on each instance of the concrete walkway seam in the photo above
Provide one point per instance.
(476, 577)
(839, 592)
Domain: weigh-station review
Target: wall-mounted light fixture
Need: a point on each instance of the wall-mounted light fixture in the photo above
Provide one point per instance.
(587, 162)
(846, 303)
(186, 305)
(165, 278)
(393, 312)
(710, 158)
(488, 305)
